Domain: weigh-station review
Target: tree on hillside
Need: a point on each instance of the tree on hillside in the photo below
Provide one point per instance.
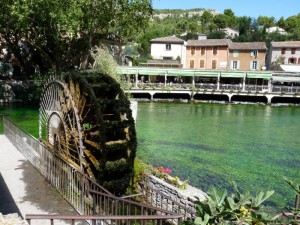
(265, 21)
(292, 24)
(206, 18)
(228, 12)
(232, 20)
(59, 34)
(281, 22)
(244, 25)
(220, 21)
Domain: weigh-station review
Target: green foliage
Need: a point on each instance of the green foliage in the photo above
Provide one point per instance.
(60, 35)
(220, 207)
(105, 63)
(187, 26)
(295, 187)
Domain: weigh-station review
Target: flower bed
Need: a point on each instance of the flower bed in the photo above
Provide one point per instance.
(164, 174)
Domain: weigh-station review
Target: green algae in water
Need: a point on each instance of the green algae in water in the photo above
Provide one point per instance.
(26, 118)
(212, 144)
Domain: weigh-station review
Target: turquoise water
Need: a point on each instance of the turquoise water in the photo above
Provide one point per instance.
(212, 144)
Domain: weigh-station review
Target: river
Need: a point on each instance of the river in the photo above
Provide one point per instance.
(214, 144)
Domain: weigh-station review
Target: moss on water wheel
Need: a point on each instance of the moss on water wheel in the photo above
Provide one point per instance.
(105, 128)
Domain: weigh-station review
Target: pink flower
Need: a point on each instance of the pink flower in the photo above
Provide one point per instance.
(167, 170)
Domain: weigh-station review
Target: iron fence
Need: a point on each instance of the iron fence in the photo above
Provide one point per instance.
(85, 195)
(107, 220)
(223, 87)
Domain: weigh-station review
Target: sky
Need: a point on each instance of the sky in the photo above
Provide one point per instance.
(252, 8)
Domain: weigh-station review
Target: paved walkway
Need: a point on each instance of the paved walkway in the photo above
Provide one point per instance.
(24, 190)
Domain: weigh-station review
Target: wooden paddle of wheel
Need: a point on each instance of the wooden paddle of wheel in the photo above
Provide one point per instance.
(86, 119)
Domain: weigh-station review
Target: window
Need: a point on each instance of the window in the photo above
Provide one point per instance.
(214, 64)
(235, 53)
(293, 51)
(254, 65)
(202, 50)
(202, 63)
(298, 60)
(215, 50)
(254, 53)
(168, 47)
(193, 50)
(191, 63)
(283, 51)
(292, 60)
(235, 65)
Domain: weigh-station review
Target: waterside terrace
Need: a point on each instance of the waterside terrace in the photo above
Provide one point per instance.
(268, 86)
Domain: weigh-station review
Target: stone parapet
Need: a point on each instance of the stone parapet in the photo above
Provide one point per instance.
(166, 196)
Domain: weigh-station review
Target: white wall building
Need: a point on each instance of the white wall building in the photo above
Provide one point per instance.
(285, 52)
(168, 48)
(230, 33)
(275, 29)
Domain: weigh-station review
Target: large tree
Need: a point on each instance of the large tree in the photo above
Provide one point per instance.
(59, 34)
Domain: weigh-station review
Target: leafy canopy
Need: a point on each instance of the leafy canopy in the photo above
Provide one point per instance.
(58, 34)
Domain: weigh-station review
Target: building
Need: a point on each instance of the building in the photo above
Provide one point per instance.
(230, 33)
(282, 53)
(167, 51)
(275, 30)
(247, 55)
(207, 54)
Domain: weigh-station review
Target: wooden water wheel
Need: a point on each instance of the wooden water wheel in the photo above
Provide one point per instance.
(86, 119)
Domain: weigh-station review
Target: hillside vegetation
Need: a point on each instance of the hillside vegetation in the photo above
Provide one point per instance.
(186, 24)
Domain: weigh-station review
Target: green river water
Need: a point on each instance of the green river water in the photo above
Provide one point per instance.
(214, 144)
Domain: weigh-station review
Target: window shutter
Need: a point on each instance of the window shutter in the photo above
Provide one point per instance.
(214, 64)
(201, 63)
(238, 65)
(191, 63)
(193, 50)
(251, 63)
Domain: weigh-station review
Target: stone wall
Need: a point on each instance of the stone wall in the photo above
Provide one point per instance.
(166, 196)
(12, 219)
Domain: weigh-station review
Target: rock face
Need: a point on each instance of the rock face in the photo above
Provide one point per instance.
(12, 219)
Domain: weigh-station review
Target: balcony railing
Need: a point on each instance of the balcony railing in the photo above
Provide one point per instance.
(214, 86)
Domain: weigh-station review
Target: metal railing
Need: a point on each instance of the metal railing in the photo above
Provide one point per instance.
(86, 196)
(103, 220)
(214, 86)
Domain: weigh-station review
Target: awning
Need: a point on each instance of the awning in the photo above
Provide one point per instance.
(152, 72)
(259, 75)
(126, 71)
(233, 74)
(286, 79)
(183, 73)
(206, 74)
